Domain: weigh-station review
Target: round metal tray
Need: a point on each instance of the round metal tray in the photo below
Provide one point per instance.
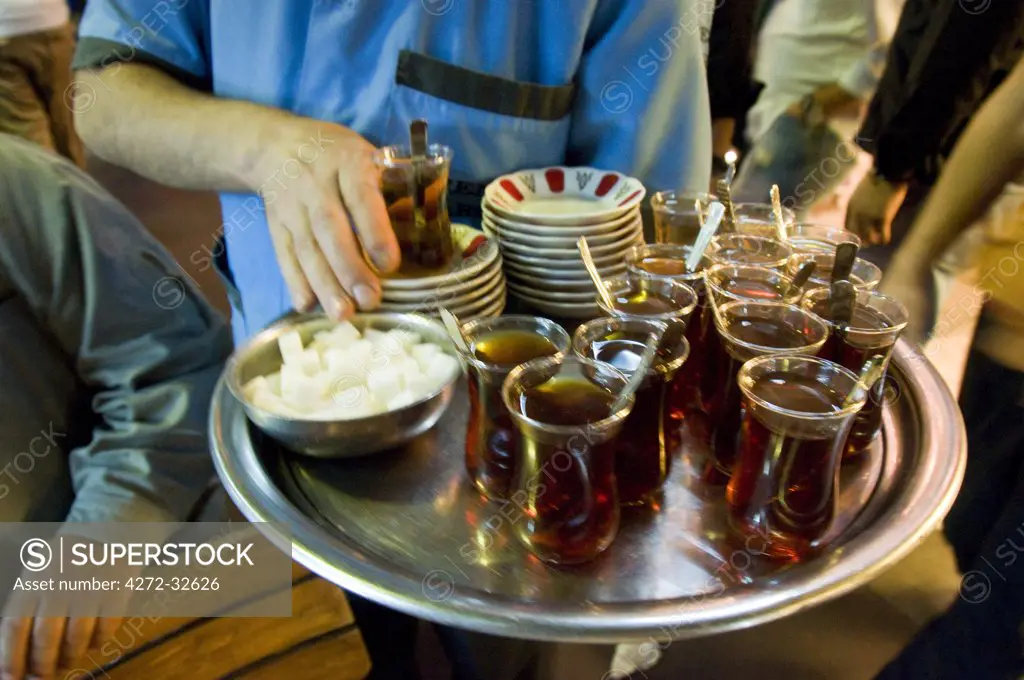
(407, 530)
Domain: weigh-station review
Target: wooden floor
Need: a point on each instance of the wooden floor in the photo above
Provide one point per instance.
(320, 641)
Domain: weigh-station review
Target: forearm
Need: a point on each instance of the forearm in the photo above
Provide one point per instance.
(989, 154)
(150, 123)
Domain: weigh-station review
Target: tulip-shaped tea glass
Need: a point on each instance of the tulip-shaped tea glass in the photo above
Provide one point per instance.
(729, 283)
(819, 238)
(759, 251)
(873, 330)
(498, 345)
(416, 195)
(675, 215)
(863, 276)
(651, 435)
(758, 219)
(669, 261)
(748, 330)
(784, 488)
(566, 481)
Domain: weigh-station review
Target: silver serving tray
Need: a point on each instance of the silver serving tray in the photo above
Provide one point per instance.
(407, 530)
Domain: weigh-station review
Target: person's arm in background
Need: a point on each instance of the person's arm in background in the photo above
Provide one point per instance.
(988, 156)
(142, 101)
(639, 114)
(931, 71)
(729, 71)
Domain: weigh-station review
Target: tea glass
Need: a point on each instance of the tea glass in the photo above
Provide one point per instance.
(873, 331)
(663, 260)
(566, 476)
(491, 436)
(784, 488)
(747, 330)
(425, 234)
(863, 276)
(651, 435)
(758, 219)
(675, 215)
(748, 249)
(818, 238)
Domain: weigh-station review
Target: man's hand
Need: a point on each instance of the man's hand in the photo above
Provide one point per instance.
(872, 207)
(913, 284)
(35, 648)
(325, 218)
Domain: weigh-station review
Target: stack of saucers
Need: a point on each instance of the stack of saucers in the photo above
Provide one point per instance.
(536, 216)
(473, 287)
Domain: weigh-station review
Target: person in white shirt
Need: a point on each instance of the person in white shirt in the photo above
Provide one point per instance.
(37, 42)
(819, 61)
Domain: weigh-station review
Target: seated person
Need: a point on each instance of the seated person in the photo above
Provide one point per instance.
(109, 361)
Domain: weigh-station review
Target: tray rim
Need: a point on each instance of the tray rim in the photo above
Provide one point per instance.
(922, 505)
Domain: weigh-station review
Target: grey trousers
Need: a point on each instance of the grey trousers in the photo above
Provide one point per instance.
(108, 355)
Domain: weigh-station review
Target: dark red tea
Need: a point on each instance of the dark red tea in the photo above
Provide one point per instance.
(852, 349)
(740, 288)
(650, 436)
(425, 240)
(725, 412)
(686, 387)
(571, 506)
(784, 486)
(491, 436)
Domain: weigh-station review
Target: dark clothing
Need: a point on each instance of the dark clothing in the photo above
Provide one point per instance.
(979, 638)
(390, 639)
(944, 60)
(730, 57)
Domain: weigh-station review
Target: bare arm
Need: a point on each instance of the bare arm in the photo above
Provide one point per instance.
(988, 156)
(147, 121)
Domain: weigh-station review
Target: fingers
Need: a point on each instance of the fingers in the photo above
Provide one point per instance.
(14, 637)
(77, 637)
(359, 183)
(291, 270)
(47, 635)
(317, 270)
(342, 251)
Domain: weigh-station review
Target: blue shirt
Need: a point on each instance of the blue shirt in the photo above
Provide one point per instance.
(615, 84)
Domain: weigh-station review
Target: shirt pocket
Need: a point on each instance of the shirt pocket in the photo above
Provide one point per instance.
(494, 125)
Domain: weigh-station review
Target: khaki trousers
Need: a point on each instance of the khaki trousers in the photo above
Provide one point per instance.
(35, 90)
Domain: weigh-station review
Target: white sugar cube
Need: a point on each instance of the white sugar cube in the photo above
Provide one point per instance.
(274, 383)
(420, 384)
(290, 344)
(384, 383)
(254, 386)
(374, 336)
(321, 341)
(293, 379)
(424, 354)
(343, 335)
(310, 362)
(271, 403)
(339, 363)
(347, 391)
(402, 399)
(358, 354)
(406, 339)
(443, 368)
